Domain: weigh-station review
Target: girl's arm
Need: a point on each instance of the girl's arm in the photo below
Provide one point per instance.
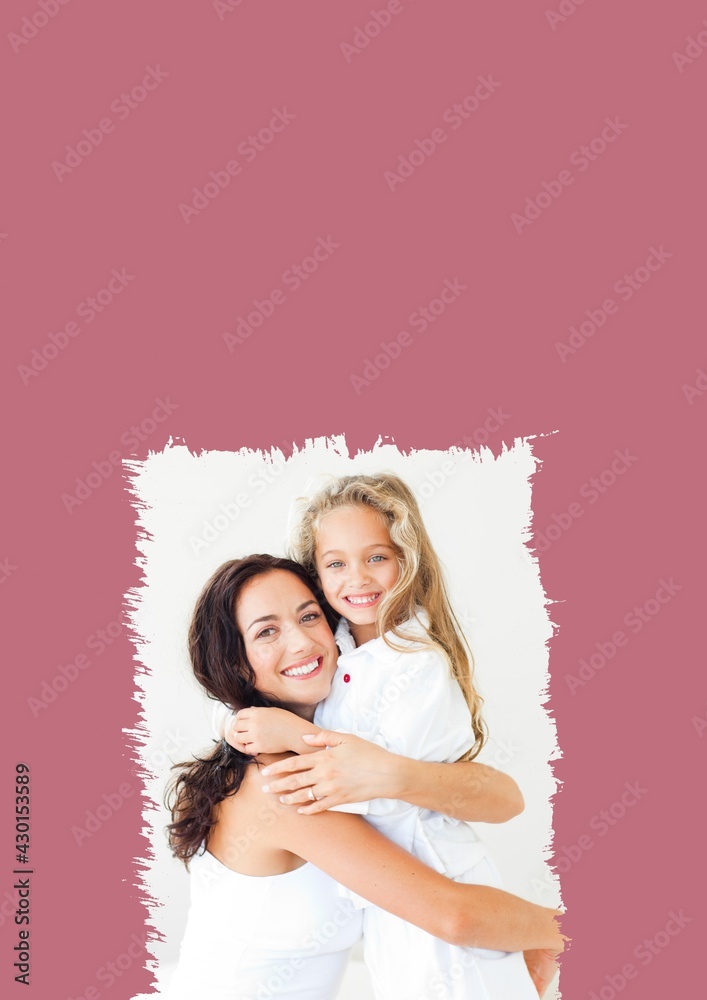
(351, 851)
(356, 770)
(268, 730)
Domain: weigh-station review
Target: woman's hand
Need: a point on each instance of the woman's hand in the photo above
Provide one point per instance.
(350, 769)
(267, 730)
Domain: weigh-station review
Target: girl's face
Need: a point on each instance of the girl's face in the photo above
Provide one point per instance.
(287, 640)
(357, 566)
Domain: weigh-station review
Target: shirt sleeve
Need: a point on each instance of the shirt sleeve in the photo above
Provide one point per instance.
(221, 718)
(417, 710)
(421, 711)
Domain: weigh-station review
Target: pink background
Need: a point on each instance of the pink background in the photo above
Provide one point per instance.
(638, 719)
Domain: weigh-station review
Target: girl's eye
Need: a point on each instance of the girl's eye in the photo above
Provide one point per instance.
(335, 565)
(377, 558)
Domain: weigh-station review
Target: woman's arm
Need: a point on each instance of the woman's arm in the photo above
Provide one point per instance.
(351, 851)
(355, 770)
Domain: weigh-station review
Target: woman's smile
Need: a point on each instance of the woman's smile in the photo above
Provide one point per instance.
(307, 669)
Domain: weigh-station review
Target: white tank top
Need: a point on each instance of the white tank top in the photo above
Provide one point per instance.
(258, 937)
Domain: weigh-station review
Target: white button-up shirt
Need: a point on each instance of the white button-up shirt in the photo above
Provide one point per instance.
(409, 703)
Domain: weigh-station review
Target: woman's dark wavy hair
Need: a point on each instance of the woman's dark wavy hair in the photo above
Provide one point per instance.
(220, 664)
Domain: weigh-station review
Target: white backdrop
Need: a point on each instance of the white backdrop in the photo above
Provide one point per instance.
(196, 511)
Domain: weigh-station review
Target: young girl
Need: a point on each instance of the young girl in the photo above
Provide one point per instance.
(403, 682)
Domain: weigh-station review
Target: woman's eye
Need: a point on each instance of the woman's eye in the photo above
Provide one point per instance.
(266, 633)
(311, 616)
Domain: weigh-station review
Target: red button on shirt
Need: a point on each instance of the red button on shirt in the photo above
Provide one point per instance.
(347, 678)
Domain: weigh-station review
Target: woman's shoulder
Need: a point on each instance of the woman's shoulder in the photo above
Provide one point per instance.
(237, 809)
(243, 836)
(252, 784)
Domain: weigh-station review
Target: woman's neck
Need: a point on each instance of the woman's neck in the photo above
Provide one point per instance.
(304, 711)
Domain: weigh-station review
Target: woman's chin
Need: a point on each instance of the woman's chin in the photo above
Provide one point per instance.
(306, 692)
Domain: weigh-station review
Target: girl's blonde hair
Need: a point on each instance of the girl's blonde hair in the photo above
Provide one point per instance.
(421, 580)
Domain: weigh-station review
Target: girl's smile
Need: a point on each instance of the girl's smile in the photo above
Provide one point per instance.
(362, 600)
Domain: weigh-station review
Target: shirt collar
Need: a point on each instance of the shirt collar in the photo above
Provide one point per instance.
(344, 639)
(378, 647)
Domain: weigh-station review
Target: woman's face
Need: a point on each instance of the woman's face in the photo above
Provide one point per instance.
(287, 639)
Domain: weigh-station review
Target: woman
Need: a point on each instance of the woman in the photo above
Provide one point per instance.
(264, 920)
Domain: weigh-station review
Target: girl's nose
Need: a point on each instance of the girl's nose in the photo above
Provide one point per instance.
(359, 575)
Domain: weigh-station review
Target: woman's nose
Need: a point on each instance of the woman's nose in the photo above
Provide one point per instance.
(299, 640)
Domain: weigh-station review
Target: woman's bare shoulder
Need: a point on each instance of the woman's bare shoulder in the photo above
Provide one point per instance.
(238, 809)
(244, 836)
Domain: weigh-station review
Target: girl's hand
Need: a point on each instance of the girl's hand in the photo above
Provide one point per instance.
(350, 769)
(542, 966)
(266, 730)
